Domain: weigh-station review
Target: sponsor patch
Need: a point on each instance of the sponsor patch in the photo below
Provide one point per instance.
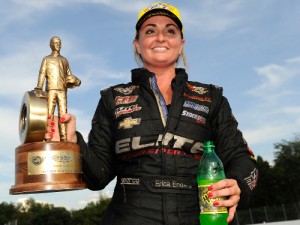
(129, 123)
(199, 119)
(252, 179)
(127, 109)
(155, 151)
(199, 90)
(125, 99)
(193, 105)
(130, 181)
(159, 183)
(126, 90)
(202, 99)
(170, 183)
(177, 142)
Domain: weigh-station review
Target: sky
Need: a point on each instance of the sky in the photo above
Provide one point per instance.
(250, 48)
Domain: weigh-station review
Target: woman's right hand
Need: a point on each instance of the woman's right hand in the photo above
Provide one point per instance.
(52, 133)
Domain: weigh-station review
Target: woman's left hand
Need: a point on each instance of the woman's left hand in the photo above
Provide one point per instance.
(226, 188)
(52, 133)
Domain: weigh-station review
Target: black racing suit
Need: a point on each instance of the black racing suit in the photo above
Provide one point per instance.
(154, 150)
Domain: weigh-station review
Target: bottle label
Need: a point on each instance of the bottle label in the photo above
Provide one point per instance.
(214, 169)
(206, 203)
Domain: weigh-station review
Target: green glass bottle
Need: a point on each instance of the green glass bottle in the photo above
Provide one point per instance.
(210, 170)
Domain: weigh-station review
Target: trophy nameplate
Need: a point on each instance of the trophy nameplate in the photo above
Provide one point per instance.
(40, 165)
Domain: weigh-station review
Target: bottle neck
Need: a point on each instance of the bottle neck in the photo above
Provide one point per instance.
(208, 146)
(209, 149)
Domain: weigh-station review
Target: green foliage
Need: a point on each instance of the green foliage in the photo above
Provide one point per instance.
(287, 165)
(59, 216)
(32, 212)
(36, 213)
(8, 212)
(279, 183)
(265, 179)
(92, 214)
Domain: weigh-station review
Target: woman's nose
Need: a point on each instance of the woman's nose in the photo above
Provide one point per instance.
(160, 36)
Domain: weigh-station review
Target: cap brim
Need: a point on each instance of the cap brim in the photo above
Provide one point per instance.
(158, 12)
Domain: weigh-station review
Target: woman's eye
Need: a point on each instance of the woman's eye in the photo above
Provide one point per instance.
(171, 31)
(149, 31)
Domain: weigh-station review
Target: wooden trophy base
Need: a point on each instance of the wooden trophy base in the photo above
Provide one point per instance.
(47, 167)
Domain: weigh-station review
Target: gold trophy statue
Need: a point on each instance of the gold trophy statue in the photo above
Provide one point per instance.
(47, 166)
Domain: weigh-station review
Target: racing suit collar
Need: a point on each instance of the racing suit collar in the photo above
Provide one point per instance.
(141, 75)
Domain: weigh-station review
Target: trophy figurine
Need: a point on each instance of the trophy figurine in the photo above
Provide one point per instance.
(42, 165)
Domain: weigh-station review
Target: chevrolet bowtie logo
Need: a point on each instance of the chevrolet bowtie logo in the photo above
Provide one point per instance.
(129, 123)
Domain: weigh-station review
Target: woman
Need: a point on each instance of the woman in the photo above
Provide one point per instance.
(149, 134)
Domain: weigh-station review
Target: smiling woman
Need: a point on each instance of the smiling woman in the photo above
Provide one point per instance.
(159, 43)
(149, 134)
(154, 28)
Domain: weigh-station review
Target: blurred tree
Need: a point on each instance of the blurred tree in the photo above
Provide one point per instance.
(261, 194)
(92, 214)
(286, 168)
(279, 183)
(59, 216)
(8, 212)
(32, 212)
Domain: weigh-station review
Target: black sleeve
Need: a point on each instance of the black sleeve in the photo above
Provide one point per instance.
(233, 150)
(98, 156)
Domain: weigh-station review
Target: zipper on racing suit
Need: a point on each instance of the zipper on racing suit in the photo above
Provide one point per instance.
(160, 100)
(163, 110)
(162, 106)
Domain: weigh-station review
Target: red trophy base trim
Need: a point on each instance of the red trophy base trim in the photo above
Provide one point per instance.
(47, 167)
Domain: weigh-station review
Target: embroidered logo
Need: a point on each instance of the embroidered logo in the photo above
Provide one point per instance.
(159, 5)
(202, 99)
(125, 99)
(195, 106)
(170, 183)
(199, 119)
(130, 181)
(199, 90)
(126, 90)
(128, 109)
(129, 123)
(252, 179)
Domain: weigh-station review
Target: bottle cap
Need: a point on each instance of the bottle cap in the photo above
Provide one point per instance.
(208, 144)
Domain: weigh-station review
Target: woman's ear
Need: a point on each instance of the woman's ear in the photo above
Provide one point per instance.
(182, 44)
(136, 46)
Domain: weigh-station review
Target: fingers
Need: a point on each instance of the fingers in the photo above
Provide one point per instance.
(224, 184)
(233, 200)
(229, 189)
(52, 131)
(66, 118)
(71, 126)
(226, 187)
(231, 212)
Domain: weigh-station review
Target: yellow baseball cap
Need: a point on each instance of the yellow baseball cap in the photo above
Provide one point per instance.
(159, 9)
